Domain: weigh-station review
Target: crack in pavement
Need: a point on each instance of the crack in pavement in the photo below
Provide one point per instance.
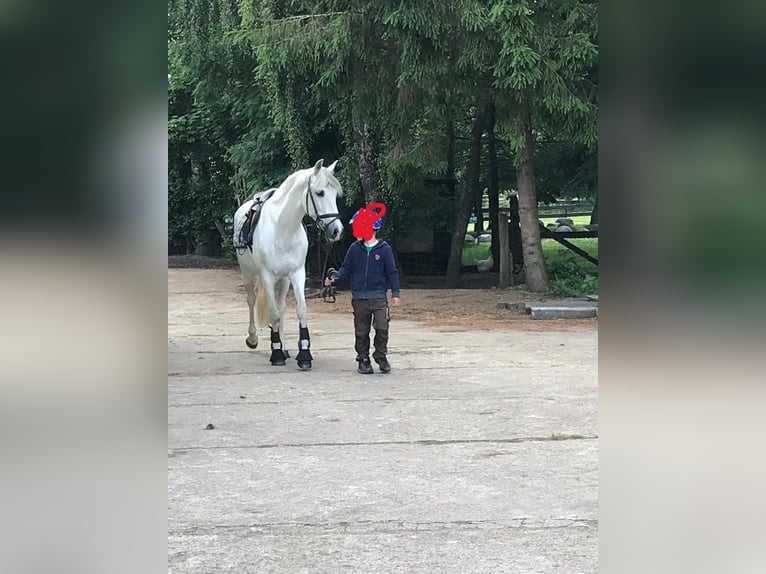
(381, 526)
(313, 400)
(423, 442)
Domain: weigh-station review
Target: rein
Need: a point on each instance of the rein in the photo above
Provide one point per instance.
(328, 293)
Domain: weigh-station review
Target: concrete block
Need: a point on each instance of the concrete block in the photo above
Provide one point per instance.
(562, 312)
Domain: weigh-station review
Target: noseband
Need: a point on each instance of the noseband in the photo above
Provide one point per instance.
(319, 219)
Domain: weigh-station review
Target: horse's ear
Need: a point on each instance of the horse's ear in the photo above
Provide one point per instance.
(318, 166)
(331, 167)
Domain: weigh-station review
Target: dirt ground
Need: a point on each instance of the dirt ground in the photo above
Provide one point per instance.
(474, 306)
(461, 308)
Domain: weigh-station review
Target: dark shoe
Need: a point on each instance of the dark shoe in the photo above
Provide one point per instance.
(384, 365)
(365, 367)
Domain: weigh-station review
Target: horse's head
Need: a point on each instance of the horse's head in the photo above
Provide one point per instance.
(322, 192)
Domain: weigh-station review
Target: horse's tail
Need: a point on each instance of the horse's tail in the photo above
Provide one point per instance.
(261, 304)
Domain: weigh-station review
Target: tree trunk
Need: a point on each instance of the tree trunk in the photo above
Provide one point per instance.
(205, 244)
(517, 253)
(222, 231)
(505, 254)
(479, 212)
(493, 186)
(451, 156)
(466, 201)
(534, 264)
(372, 184)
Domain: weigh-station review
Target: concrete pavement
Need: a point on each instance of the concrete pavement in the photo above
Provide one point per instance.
(478, 453)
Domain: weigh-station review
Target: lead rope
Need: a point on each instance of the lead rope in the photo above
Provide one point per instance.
(328, 291)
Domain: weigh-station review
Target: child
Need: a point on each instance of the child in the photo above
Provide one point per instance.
(370, 266)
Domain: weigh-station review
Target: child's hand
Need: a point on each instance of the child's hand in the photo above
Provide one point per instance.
(395, 301)
(329, 281)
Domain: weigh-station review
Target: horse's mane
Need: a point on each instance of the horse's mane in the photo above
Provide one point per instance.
(291, 180)
(288, 183)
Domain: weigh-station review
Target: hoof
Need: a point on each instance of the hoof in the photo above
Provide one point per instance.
(277, 357)
(287, 354)
(304, 365)
(249, 344)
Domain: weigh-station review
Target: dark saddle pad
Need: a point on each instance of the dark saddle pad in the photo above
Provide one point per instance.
(251, 220)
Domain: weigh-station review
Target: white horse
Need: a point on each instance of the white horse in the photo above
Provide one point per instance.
(278, 255)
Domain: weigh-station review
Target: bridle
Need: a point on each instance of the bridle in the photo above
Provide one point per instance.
(319, 219)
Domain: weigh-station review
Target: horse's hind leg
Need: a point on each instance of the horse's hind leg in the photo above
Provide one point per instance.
(252, 335)
(249, 278)
(304, 358)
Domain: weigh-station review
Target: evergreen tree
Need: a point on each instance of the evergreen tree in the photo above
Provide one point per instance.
(405, 90)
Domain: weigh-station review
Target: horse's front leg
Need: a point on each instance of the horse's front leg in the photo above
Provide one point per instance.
(269, 283)
(304, 358)
(283, 286)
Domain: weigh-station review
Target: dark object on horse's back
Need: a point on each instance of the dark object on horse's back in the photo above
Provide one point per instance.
(248, 228)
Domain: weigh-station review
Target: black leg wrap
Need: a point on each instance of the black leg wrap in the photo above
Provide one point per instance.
(277, 354)
(304, 344)
(278, 357)
(304, 355)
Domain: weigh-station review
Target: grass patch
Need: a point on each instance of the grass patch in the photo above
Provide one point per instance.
(553, 251)
(473, 252)
(570, 275)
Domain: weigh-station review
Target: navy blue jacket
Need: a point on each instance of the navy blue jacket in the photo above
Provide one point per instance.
(371, 273)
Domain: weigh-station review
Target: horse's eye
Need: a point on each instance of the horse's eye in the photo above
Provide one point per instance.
(320, 193)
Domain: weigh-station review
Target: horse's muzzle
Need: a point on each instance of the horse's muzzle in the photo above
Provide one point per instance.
(334, 233)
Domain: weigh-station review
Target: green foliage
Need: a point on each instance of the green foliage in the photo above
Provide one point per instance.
(218, 123)
(566, 170)
(548, 57)
(576, 285)
(570, 275)
(259, 88)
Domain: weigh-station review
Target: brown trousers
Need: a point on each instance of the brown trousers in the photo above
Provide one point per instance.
(366, 312)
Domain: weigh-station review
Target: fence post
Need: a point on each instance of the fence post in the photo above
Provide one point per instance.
(504, 250)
